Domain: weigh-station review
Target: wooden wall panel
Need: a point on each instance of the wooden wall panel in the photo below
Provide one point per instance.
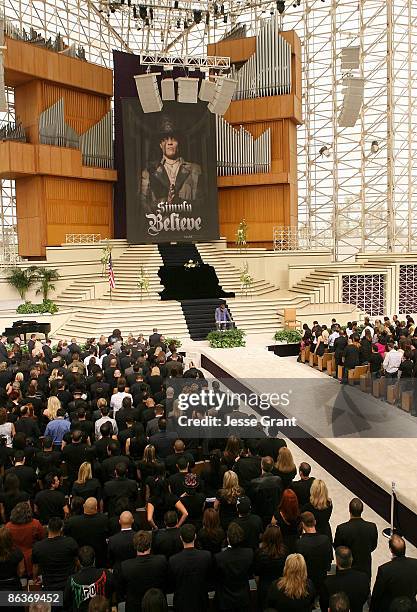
(238, 49)
(24, 62)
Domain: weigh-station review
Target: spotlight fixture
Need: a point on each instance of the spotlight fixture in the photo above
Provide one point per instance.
(176, 4)
(222, 9)
(185, 24)
(135, 13)
(143, 13)
(324, 151)
(225, 19)
(216, 9)
(151, 13)
(280, 6)
(146, 21)
(207, 18)
(178, 23)
(197, 16)
(375, 146)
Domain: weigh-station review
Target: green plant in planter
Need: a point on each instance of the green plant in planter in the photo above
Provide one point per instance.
(46, 278)
(291, 336)
(143, 282)
(22, 279)
(242, 235)
(44, 307)
(228, 338)
(106, 252)
(175, 341)
(246, 279)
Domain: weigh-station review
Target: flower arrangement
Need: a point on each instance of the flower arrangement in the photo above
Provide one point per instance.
(143, 282)
(246, 279)
(242, 234)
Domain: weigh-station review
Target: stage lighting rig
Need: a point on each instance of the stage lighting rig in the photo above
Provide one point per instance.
(197, 16)
(143, 12)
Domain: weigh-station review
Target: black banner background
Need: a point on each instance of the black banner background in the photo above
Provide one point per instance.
(192, 213)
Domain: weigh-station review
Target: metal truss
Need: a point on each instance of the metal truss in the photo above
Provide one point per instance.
(359, 199)
(355, 199)
(194, 62)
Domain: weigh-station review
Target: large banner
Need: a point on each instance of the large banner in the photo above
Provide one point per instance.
(170, 166)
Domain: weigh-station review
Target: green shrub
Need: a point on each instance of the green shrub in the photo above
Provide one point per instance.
(288, 335)
(228, 338)
(43, 307)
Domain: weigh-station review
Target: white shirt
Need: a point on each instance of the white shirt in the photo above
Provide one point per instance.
(98, 360)
(333, 337)
(100, 422)
(117, 399)
(392, 361)
(349, 332)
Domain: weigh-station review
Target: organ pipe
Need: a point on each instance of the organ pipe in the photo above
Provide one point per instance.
(238, 152)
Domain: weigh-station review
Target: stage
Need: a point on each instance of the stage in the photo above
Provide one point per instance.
(362, 441)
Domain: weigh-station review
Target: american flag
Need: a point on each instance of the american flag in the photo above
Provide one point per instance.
(112, 282)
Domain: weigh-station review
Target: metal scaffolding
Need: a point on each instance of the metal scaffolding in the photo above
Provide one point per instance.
(359, 198)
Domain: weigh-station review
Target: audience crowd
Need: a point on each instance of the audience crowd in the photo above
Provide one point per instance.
(389, 347)
(102, 499)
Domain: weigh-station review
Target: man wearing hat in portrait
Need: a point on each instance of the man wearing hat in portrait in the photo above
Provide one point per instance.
(171, 180)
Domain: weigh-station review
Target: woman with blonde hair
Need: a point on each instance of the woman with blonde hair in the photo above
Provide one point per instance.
(227, 498)
(154, 380)
(52, 408)
(86, 486)
(285, 467)
(321, 506)
(147, 466)
(294, 591)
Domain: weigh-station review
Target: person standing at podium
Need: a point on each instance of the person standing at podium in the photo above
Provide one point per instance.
(223, 318)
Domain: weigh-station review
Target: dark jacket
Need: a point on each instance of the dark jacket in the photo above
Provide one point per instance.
(355, 584)
(189, 574)
(316, 549)
(120, 547)
(233, 567)
(396, 578)
(138, 575)
(362, 538)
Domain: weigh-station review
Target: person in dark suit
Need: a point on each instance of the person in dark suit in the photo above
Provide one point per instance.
(360, 536)
(316, 549)
(396, 578)
(351, 356)
(145, 571)
(163, 441)
(47, 351)
(266, 491)
(233, 568)
(4, 356)
(154, 338)
(120, 546)
(167, 541)
(302, 487)
(346, 580)
(90, 529)
(31, 343)
(189, 574)
(340, 344)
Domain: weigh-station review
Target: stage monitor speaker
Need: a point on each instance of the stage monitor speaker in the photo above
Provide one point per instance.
(187, 90)
(207, 90)
(148, 92)
(225, 88)
(168, 89)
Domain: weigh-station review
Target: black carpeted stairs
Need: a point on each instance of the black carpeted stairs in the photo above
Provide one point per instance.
(199, 315)
(198, 312)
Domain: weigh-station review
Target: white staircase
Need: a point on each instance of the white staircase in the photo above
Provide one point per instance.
(126, 273)
(94, 319)
(228, 274)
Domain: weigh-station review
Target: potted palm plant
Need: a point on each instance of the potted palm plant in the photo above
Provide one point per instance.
(22, 279)
(46, 278)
